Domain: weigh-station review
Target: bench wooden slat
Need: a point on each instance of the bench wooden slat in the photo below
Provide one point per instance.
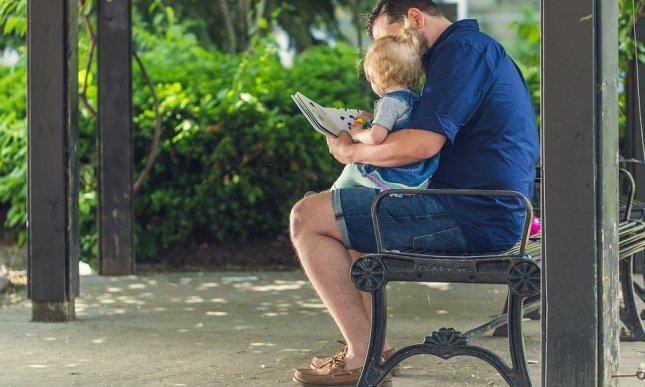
(631, 237)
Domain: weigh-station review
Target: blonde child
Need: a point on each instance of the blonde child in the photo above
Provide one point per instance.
(393, 67)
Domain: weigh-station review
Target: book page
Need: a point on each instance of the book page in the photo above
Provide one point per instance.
(306, 109)
(329, 121)
(342, 119)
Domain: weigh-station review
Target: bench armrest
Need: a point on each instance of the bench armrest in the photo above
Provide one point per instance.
(376, 203)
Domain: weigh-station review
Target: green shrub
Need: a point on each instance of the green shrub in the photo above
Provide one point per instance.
(236, 153)
(13, 147)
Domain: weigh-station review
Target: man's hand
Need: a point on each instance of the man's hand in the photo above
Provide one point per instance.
(341, 147)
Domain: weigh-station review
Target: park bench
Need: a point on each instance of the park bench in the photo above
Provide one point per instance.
(519, 268)
(629, 209)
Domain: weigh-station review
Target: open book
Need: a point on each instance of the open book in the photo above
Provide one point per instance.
(326, 120)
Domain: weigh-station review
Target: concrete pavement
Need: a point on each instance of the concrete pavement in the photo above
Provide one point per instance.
(239, 329)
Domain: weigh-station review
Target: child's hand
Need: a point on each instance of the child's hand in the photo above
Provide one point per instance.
(367, 116)
(360, 121)
(356, 128)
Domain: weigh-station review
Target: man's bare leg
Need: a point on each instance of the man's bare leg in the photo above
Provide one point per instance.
(326, 262)
(367, 299)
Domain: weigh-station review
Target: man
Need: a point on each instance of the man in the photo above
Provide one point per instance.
(475, 109)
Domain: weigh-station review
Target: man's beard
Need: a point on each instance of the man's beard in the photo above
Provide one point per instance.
(423, 42)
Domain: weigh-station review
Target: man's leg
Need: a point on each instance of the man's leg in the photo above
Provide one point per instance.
(367, 299)
(326, 262)
(406, 221)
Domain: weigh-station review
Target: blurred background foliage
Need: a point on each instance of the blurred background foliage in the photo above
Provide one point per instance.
(234, 153)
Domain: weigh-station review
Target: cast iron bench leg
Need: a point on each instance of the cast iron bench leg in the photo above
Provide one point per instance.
(629, 313)
(516, 341)
(523, 282)
(373, 370)
(639, 289)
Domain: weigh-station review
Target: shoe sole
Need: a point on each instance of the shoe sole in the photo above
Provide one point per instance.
(395, 372)
(385, 383)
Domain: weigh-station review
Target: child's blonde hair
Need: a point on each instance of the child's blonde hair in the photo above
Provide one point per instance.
(394, 60)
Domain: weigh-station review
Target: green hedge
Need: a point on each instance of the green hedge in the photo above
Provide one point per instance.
(235, 152)
(13, 147)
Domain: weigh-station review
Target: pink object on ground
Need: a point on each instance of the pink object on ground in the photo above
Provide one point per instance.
(536, 226)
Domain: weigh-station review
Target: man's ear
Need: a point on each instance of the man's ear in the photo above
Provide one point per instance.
(416, 18)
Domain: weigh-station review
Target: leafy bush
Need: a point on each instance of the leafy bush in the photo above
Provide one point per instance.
(13, 147)
(235, 154)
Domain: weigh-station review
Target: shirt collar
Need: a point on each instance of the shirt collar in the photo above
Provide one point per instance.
(461, 25)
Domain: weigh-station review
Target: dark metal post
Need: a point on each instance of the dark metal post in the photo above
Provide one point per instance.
(580, 192)
(53, 235)
(116, 210)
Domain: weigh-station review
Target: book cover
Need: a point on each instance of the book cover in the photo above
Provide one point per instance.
(326, 120)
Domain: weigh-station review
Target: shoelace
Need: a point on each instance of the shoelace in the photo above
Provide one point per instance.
(338, 360)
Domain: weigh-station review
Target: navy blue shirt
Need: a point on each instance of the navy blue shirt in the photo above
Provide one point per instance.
(476, 96)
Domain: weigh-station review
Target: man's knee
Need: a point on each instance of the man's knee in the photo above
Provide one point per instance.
(301, 212)
(312, 214)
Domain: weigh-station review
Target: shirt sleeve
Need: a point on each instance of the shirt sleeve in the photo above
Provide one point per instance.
(388, 110)
(457, 78)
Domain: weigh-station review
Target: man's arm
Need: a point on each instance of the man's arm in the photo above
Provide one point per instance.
(399, 148)
(373, 135)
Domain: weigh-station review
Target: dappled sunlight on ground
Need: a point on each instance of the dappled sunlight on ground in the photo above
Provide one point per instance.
(197, 297)
(234, 329)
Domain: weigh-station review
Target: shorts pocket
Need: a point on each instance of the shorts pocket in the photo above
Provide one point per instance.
(451, 239)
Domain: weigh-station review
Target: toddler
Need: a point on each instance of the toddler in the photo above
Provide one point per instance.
(393, 67)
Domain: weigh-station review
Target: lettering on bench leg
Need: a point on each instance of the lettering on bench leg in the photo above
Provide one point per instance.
(444, 269)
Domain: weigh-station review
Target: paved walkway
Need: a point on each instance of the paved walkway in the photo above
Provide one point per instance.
(237, 329)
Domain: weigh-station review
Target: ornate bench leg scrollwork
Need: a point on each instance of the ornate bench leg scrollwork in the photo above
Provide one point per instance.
(369, 274)
(523, 282)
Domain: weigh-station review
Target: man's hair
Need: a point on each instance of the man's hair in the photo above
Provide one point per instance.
(396, 10)
(394, 60)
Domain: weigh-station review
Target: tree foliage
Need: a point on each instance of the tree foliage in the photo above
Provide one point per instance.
(528, 53)
(229, 25)
(234, 152)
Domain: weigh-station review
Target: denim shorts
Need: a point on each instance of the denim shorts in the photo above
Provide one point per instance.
(407, 221)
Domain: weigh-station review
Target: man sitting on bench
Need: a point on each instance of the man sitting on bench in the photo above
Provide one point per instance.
(475, 109)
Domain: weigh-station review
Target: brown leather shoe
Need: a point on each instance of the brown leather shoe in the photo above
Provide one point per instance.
(332, 374)
(321, 361)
